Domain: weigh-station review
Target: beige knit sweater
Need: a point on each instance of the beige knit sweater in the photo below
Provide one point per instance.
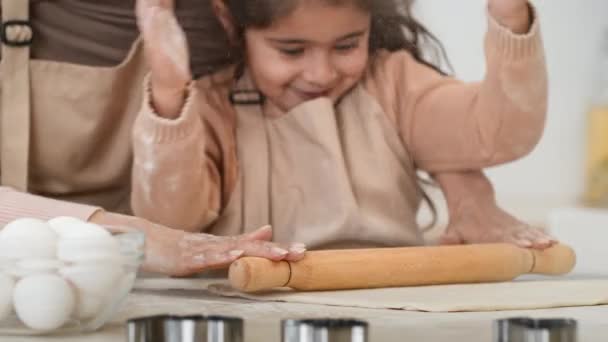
(443, 123)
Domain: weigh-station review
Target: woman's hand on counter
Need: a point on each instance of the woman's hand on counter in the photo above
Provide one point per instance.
(178, 253)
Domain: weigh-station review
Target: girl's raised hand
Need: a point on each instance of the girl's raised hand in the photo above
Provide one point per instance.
(513, 14)
(166, 50)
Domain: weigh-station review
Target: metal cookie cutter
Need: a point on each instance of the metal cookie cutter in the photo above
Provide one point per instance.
(323, 330)
(524, 329)
(167, 328)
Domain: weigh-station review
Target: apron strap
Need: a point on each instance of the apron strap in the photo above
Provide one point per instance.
(15, 121)
(251, 130)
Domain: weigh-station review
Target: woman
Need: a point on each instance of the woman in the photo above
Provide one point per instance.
(71, 76)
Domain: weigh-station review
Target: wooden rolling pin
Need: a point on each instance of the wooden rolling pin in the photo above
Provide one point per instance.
(407, 266)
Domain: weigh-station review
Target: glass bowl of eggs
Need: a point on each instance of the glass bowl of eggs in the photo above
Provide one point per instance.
(64, 275)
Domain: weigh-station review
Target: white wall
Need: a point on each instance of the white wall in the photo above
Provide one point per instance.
(553, 174)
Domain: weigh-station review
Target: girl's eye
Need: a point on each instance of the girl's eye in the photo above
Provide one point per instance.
(292, 52)
(346, 47)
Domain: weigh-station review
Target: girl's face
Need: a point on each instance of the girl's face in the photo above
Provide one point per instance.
(318, 50)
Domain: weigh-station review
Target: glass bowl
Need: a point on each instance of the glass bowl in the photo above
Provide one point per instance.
(67, 280)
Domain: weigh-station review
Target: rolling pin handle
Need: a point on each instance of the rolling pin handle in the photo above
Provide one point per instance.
(254, 274)
(556, 260)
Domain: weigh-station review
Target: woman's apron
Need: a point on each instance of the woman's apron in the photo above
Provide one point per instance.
(65, 128)
(328, 176)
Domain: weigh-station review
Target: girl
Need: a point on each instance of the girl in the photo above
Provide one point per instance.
(320, 125)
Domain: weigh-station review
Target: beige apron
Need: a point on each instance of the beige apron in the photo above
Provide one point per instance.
(66, 128)
(328, 176)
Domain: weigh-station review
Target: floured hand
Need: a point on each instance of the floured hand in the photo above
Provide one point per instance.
(166, 50)
(487, 223)
(476, 218)
(513, 14)
(178, 253)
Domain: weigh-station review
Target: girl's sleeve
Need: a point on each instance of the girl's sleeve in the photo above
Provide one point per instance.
(452, 125)
(176, 179)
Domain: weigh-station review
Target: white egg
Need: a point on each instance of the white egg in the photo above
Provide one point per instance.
(95, 283)
(88, 305)
(26, 228)
(7, 285)
(97, 278)
(79, 250)
(60, 221)
(44, 301)
(41, 265)
(71, 227)
(22, 248)
(27, 267)
(27, 238)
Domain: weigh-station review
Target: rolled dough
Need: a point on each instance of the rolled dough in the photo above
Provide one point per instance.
(518, 295)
